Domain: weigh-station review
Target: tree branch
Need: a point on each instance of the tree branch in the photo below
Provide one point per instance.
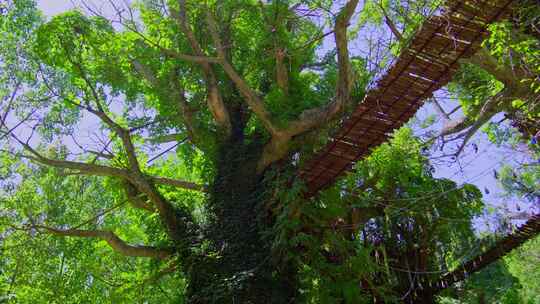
(123, 133)
(282, 73)
(124, 136)
(196, 135)
(190, 58)
(178, 183)
(177, 95)
(89, 169)
(137, 199)
(176, 220)
(279, 52)
(214, 99)
(345, 83)
(513, 89)
(314, 118)
(145, 72)
(440, 109)
(251, 97)
(391, 25)
(176, 226)
(113, 240)
(488, 110)
(10, 101)
(163, 139)
(100, 170)
(502, 72)
(468, 126)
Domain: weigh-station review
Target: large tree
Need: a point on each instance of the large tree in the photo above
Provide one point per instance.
(243, 91)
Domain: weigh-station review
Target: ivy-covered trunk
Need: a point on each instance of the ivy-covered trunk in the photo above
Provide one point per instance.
(237, 265)
(420, 296)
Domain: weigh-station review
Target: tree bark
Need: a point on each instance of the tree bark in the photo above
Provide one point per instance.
(237, 267)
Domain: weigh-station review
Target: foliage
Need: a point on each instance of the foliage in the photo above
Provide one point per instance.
(413, 212)
(71, 270)
(523, 264)
(133, 154)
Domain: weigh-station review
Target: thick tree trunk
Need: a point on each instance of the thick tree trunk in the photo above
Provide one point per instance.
(237, 267)
(425, 297)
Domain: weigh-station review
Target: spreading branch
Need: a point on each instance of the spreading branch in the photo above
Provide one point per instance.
(176, 94)
(345, 79)
(465, 127)
(116, 243)
(469, 126)
(214, 99)
(391, 25)
(215, 103)
(176, 226)
(145, 184)
(189, 58)
(508, 75)
(251, 97)
(99, 112)
(101, 170)
(314, 118)
(137, 199)
(88, 169)
(279, 52)
(163, 139)
(282, 72)
(440, 109)
(178, 183)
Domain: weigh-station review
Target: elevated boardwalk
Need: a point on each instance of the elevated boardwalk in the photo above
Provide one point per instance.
(501, 248)
(427, 64)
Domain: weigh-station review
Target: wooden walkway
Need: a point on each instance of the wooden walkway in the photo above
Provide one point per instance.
(430, 62)
(524, 233)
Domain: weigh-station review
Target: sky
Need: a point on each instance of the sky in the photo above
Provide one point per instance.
(476, 168)
(53, 7)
